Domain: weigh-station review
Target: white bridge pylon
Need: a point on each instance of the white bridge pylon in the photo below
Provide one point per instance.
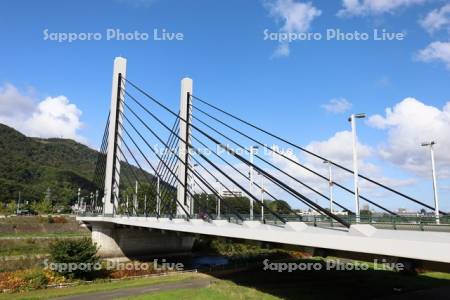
(113, 157)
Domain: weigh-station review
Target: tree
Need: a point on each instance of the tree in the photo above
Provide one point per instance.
(75, 257)
(43, 207)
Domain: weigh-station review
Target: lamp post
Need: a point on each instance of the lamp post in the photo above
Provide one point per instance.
(158, 197)
(352, 120)
(250, 176)
(262, 198)
(433, 174)
(330, 184)
(218, 200)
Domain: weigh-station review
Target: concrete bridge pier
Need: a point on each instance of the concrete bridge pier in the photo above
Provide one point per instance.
(115, 241)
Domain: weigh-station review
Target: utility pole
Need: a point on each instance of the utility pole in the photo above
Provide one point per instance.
(433, 174)
(352, 120)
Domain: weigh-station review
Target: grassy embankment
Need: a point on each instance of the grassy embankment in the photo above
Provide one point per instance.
(260, 284)
(25, 240)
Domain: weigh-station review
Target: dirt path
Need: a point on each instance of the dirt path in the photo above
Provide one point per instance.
(135, 291)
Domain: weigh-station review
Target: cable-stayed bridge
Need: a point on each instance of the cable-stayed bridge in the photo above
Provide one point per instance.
(188, 171)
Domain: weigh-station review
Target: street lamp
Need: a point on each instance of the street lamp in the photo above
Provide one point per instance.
(433, 172)
(330, 184)
(158, 197)
(352, 120)
(250, 175)
(262, 197)
(218, 199)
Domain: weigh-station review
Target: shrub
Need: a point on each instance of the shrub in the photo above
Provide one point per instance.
(81, 252)
(36, 279)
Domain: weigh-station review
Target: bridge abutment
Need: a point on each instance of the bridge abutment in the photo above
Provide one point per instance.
(115, 241)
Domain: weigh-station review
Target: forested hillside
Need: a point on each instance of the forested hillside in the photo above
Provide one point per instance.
(33, 165)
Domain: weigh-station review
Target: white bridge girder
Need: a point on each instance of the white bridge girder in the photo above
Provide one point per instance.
(427, 246)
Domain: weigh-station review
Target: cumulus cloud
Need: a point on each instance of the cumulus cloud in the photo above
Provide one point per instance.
(374, 7)
(296, 17)
(436, 51)
(339, 148)
(51, 117)
(337, 105)
(408, 124)
(436, 19)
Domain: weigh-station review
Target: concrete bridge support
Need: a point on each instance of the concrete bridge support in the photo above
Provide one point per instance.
(115, 241)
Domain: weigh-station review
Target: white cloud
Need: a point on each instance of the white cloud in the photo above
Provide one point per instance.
(337, 105)
(436, 19)
(436, 51)
(408, 124)
(338, 148)
(52, 117)
(374, 7)
(294, 16)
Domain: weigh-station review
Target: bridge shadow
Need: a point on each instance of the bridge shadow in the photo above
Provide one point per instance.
(328, 283)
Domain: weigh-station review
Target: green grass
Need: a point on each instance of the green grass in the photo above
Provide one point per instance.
(97, 287)
(44, 235)
(261, 284)
(218, 290)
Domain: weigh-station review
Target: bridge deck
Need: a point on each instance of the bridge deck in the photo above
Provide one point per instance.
(429, 246)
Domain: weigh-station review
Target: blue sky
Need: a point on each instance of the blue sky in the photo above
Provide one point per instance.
(225, 53)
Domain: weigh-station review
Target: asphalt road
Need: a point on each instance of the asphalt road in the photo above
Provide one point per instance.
(136, 291)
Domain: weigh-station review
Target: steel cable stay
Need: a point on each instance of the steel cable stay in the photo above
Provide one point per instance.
(181, 139)
(148, 162)
(167, 170)
(154, 152)
(316, 155)
(100, 167)
(221, 183)
(274, 166)
(166, 192)
(161, 195)
(136, 161)
(242, 174)
(151, 148)
(214, 191)
(131, 168)
(170, 141)
(293, 161)
(218, 143)
(217, 180)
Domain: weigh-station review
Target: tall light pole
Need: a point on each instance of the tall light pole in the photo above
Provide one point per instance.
(79, 199)
(158, 197)
(330, 184)
(250, 176)
(262, 198)
(352, 120)
(433, 172)
(218, 200)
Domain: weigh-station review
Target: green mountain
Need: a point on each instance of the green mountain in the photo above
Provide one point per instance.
(33, 165)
